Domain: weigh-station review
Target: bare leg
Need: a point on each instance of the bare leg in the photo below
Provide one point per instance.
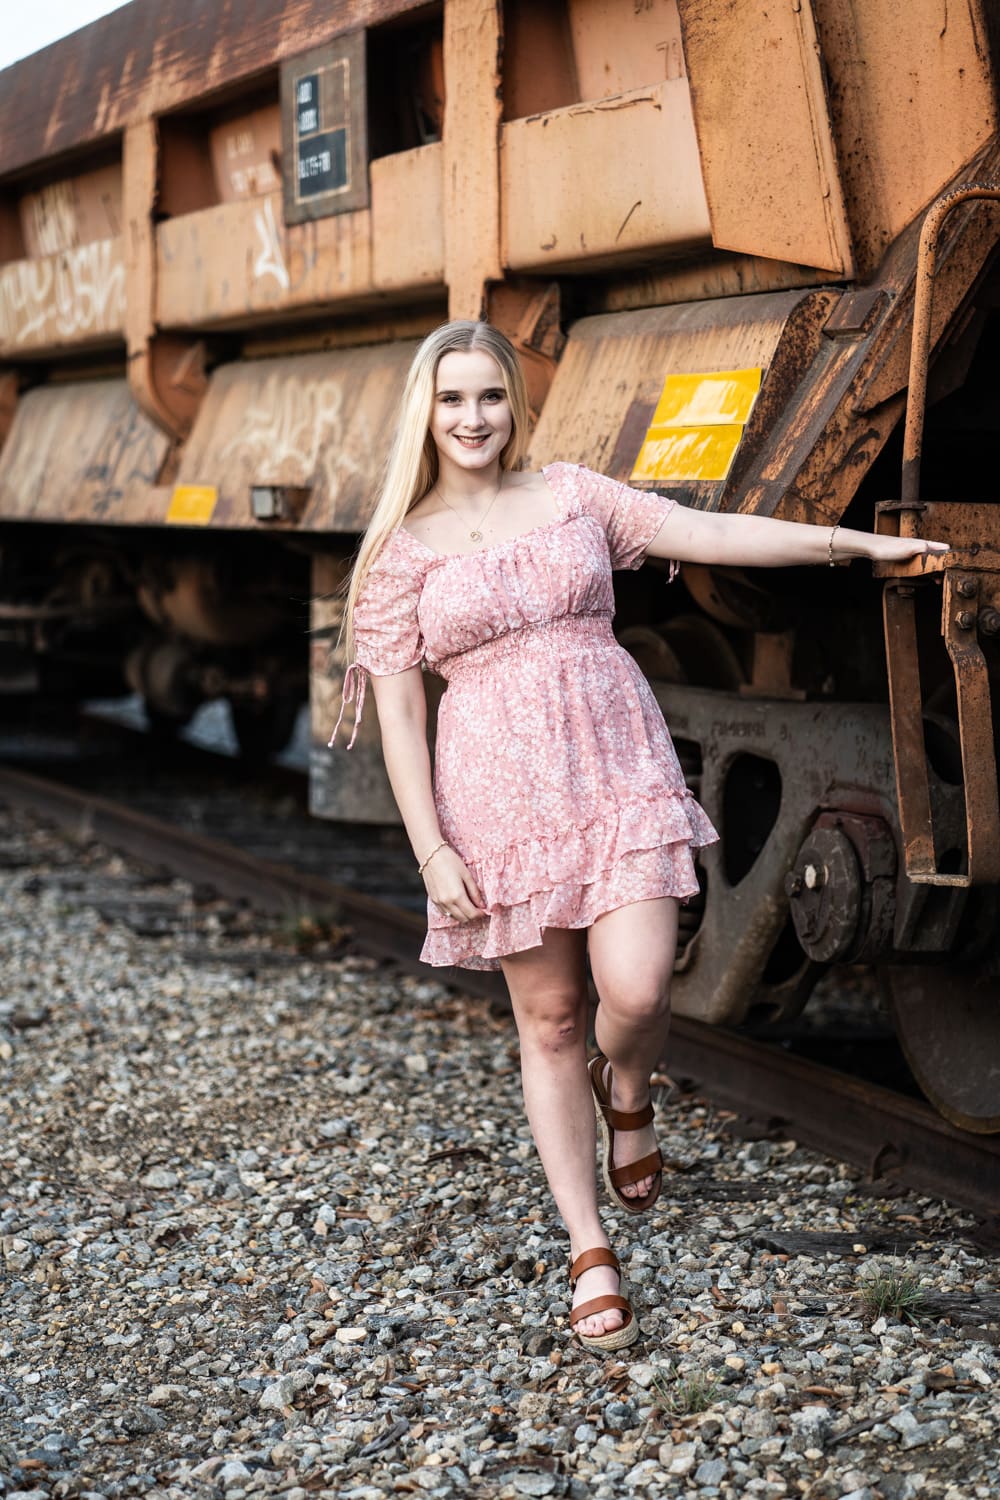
(548, 989)
(632, 957)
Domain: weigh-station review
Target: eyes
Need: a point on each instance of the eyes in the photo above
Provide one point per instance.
(488, 398)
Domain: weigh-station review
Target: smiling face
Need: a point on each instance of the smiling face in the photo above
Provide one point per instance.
(471, 419)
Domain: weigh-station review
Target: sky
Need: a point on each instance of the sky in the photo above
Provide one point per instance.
(30, 24)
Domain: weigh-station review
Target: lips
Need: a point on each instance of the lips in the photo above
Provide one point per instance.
(470, 442)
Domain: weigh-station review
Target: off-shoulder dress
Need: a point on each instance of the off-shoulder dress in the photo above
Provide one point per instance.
(555, 777)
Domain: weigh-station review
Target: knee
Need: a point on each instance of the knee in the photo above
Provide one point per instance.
(553, 1022)
(639, 1003)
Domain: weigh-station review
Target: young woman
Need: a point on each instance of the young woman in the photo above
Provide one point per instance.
(557, 823)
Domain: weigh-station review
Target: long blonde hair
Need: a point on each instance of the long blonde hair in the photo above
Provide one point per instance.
(412, 466)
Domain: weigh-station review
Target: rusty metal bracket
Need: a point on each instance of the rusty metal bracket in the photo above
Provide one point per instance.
(923, 302)
(969, 602)
(968, 606)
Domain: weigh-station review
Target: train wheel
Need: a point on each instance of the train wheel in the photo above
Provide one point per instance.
(948, 1024)
(263, 729)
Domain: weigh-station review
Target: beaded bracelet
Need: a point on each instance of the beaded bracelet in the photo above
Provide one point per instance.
(833, 533)
(443, 845)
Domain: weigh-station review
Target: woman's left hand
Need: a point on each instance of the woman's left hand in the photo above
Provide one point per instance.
(901, 548)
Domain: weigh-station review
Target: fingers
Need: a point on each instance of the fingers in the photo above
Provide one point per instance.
(461, 901)
(475, 894)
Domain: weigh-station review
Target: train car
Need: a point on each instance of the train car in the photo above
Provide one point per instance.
(748, 255)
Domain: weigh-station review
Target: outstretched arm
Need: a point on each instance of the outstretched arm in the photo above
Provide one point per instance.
(690, 535)
(402, 717)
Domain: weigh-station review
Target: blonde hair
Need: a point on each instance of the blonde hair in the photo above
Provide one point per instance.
(412, 466)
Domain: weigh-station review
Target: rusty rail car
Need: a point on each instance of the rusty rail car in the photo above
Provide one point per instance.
(729, 240)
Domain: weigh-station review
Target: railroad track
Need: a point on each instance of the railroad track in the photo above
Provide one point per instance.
(897, 1141)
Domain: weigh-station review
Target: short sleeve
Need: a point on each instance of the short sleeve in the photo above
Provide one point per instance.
(387, 635)
(630, 518)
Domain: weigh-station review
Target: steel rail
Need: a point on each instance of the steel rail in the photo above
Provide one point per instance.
(893, 1139)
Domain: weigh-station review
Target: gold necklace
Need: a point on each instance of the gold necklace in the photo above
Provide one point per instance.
(475, 534)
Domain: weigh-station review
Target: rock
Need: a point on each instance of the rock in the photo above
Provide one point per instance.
(713, 1471)
(283, 1392)
(926, 1432)
(142, 1419)
(164, 1395)
(530, 1482)
(682, 1461)
(160, 1177)
(232, 1471)
(619, 1416)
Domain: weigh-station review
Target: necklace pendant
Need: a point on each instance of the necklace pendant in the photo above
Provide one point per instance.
(476, 536)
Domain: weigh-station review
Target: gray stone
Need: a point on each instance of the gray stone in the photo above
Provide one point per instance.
(926, 1432)
(160, 1177)
(619, 1416)
(530, 1482)
(713, 1471)
(283, 1392)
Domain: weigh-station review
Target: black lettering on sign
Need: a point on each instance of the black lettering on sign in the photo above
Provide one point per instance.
(324, 130)
(322, 164)
(307, 104)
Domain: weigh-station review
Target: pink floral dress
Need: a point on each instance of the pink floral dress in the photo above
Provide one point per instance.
(555, 777)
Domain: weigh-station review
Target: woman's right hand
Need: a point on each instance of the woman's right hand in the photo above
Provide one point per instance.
(452, 888)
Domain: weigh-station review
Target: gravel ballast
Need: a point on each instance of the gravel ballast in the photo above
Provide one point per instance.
(273, 1224)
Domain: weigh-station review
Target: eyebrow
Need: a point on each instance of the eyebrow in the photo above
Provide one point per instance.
(485, 390)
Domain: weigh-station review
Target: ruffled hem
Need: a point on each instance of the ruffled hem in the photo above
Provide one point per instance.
(639, 875)
(580, 855)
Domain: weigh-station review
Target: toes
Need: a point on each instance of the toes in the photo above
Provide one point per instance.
(601, 1323)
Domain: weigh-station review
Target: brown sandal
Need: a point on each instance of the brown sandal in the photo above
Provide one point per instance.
(618, 1338)
(610, 1120)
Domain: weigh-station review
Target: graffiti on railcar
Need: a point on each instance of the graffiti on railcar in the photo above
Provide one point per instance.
(271, 258)
(299, 433)
(130, 455)
(77, 292)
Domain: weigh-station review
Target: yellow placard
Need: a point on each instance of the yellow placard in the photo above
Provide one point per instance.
(697, 425)
(192, 504)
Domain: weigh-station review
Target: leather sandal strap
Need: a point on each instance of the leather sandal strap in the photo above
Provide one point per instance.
(600, 1256)
(618, 1119)
(599, 1305)
(632, 1171)
(621, 1119)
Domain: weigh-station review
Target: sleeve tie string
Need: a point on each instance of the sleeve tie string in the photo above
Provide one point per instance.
(355, 679)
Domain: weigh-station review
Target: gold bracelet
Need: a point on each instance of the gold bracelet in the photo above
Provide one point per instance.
(443, 845)
(833, 533)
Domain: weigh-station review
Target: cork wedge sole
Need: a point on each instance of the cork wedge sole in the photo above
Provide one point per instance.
(616, 1338)
(608, 1121)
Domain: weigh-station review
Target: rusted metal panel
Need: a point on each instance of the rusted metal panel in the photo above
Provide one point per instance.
(901, 129)
(763, 123)
(408, 218)
(80, 452)
(642, 188)
(246, 153)
(75, 297)
(621, 47)
(612, 372)
(315, 422)
(72, 212)
(473, 42)
(822, 443)
(230, 263)
(148, 59)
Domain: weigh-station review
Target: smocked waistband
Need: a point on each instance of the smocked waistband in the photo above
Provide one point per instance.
(541, 634)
